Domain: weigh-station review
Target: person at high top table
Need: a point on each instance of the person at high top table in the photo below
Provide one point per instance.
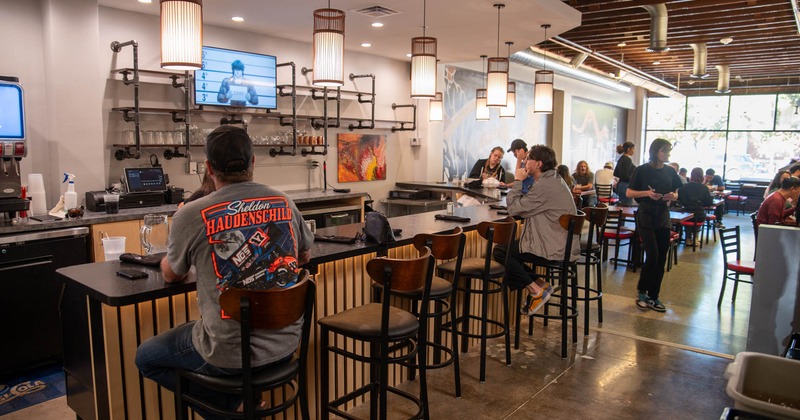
(654, 185)
(714, 183)
(542, 236)
(773, 209)
(520, 150)
(244, 235)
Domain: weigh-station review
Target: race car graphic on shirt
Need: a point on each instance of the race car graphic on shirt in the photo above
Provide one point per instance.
(253, 243)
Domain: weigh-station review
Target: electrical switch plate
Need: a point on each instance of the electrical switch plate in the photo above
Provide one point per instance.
(416, 142)
(191, 167)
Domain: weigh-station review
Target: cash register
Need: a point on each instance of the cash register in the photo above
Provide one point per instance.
(144, 187)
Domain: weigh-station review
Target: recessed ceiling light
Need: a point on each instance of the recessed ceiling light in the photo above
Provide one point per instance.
(366, 44)
(408, 55)
(377, 25)
(237, 19)
(655, 63)
(146, 1)
(622, 44)
(727, 40)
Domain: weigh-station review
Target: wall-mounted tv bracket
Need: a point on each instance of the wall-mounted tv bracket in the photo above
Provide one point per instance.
(371, 100)
(135, 151)
(282, 120)
(403, 123)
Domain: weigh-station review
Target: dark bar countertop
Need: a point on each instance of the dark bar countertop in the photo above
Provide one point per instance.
(99, 280)
(91, 217)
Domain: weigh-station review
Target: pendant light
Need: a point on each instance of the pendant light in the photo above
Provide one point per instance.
(423, 63)
(328, 47)
(543, 85)
(497, 73)
(510, 110)
(182, 34)
(435, 110)
(481, 110)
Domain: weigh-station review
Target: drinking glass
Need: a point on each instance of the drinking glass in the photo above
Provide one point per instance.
(155, 233)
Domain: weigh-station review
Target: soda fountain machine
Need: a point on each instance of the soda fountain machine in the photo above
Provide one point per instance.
(12, 148)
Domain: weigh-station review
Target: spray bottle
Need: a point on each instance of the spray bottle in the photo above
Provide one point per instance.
(70, 197)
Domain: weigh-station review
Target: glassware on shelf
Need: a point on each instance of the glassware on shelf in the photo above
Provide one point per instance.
(178, 137)
(148, 137)
(195, 135)
(168, 137)
(128, 137)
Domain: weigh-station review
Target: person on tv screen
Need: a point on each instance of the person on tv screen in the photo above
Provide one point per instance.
(236, 89)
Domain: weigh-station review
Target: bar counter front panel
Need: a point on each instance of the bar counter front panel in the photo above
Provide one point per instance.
(106, 317)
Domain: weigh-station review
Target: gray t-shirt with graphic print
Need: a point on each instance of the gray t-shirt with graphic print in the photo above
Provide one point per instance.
(244, 235)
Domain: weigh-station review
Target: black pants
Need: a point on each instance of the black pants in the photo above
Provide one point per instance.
(519, 275)
(656, 244)
(719, 211)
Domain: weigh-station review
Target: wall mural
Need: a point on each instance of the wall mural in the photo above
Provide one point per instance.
(362, 157)
(595, 131)
(466, 140)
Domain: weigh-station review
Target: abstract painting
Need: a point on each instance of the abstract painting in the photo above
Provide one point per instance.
(595, 131)
(362, 157)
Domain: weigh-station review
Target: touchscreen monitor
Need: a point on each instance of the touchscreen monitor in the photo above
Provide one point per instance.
(12, 112)
(145, 179)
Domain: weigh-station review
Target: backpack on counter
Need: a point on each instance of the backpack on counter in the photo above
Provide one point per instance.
(377, 228)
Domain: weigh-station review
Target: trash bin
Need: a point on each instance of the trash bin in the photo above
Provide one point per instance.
(765, 384)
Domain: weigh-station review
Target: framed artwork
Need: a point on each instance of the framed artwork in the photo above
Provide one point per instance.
(362, 157)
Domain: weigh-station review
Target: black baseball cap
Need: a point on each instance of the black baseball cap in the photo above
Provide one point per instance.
(229, 149)
(518, 144)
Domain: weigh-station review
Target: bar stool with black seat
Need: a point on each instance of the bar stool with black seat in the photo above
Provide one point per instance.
(563, 276)
(491, 277)
(392, 335)
(270, 309)
(736, 199)
(450, 247)
(592, 251)
(734, 268)
(617, 232)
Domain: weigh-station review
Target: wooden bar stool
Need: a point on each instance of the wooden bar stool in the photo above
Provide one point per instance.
(392, 335)
(271, 309)
(563, 275)
(446, 246)
(491, 277)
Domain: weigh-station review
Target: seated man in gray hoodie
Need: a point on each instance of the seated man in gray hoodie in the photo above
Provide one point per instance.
(543, 238)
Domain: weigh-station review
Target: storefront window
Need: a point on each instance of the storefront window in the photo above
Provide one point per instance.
(762, 136)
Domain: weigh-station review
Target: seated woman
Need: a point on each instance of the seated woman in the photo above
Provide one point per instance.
(694, 196)
(490, 167)
(584, 181)
(563, 172)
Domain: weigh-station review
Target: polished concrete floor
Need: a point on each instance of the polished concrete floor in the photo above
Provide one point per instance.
(635, 365)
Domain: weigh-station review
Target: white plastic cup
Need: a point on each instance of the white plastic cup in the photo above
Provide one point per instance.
(38, 205)
(35, 183)
(113, 247)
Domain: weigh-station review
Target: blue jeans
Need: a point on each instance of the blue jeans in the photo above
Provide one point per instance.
(159, 356)
(622, 187)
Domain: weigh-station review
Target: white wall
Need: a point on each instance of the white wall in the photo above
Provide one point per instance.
(61, 53)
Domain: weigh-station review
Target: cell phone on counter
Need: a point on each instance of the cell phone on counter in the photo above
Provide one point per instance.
(132, 274)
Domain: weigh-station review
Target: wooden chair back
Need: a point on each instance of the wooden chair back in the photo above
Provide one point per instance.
(404, 274)
(444, 246)
(502, 232)
(271, 309)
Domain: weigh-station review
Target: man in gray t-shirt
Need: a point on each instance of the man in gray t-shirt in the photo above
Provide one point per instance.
(244, 235)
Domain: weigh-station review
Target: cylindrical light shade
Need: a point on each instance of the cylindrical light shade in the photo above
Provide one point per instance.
(481, 110)
(182, 34)
(423, 67)
(497, 82)
(543, 92)
(510, 110)
(435, 111)
(328, 47)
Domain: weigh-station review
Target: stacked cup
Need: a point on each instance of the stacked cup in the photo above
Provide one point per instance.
(37, 195)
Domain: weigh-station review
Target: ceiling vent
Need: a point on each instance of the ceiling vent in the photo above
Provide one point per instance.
(377, 11)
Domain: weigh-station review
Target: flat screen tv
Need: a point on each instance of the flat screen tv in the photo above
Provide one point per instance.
(12, 111)
(236, 79)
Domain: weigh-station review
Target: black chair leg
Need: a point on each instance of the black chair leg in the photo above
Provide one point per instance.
(599, 292)
(465, 316)
(324, 392)
(722, 291)
(506, 322)
(586, 296)
(484, 327)
(454, 340)
(518, 318)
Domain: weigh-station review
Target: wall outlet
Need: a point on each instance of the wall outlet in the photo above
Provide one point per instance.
(416, 142)
(191, 167)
